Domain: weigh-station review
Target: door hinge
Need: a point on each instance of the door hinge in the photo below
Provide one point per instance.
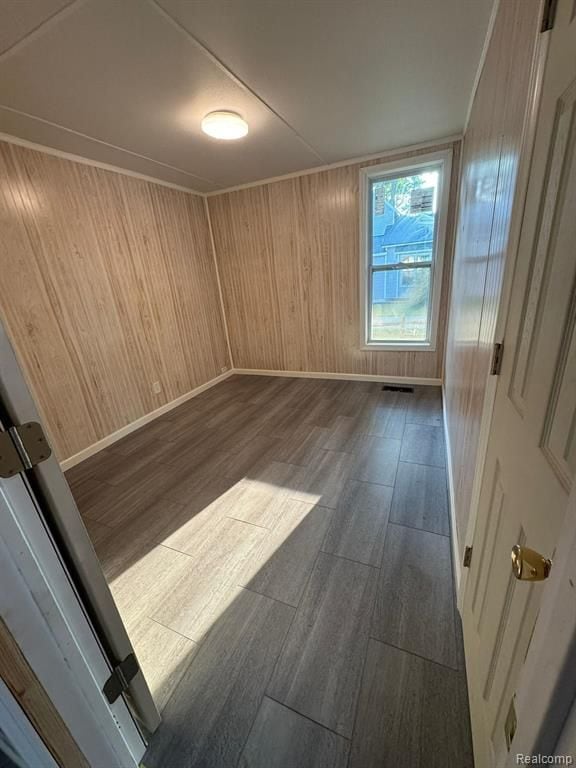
(121, 677)
(22, 447)
(496, 364)
(467, 557)
(548, 15)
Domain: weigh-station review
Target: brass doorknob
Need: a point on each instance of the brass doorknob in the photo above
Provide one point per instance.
(529, 565)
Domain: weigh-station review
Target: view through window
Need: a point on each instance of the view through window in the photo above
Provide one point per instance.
(402, 250)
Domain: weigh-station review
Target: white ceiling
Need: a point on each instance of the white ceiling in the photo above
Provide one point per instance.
(127, 82)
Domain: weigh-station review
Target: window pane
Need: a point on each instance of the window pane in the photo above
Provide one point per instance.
(400, 300)
(403, 217)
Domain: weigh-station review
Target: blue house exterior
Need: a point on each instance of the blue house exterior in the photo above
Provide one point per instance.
(399, 238)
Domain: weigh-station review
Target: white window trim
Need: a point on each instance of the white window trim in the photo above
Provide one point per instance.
(443, 158)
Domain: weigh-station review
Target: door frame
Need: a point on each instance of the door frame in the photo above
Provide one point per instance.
(43, 614)
(61, 561)
(61, 514)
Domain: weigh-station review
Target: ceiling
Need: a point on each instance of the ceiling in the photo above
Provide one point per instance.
(127, 82)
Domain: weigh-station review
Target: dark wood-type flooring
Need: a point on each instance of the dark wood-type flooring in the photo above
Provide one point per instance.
(279, 551)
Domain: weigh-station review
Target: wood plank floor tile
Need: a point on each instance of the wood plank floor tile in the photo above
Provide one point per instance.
(195, 522)
(233, 415)
(423, 444)
(283, 423)
(282, 738)
(87, 492)
(351, 400)
(97, 531)
(426, 407)
(106, 466)
(321, 482)
(318, 673)
(379, 420)
(92, 467)
(202, 593)
(282, 565)
(190, 452)
(301, 447)
(395, 423)
(251, 455)
(415, 603)
(191, 412)
(173, 524)
(359, 523)
(195, 489)
(141, 577)
(322, 413)
(421, 498)
(271, 389)
(394, 399)
(344, 435)
(112, 505)
(412, 714)
(306, 395)
(377, 460)
(237, 423)
(208, 717)
(192, 422)
(119, 550)
(143, 439)
(163, 656)
(258, 499)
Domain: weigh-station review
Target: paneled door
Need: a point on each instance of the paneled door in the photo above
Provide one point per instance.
(531, 455)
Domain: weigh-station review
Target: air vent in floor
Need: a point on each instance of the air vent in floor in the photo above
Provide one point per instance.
(395, 388)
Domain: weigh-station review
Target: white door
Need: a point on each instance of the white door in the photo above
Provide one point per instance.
(531, 456)
(41, 611)
(41, 498)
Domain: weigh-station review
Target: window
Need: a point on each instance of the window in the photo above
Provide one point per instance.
(404, 211)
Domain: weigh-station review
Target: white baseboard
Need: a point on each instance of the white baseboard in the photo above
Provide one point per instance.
(452, 499)
(342, 376)
(120, 433)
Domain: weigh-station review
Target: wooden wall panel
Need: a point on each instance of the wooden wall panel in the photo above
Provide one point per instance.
(288, 256)
(490, 163)
(107, 285)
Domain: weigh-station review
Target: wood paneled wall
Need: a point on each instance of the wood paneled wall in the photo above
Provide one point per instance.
(490, 163)
(107, 285)
(288, 257)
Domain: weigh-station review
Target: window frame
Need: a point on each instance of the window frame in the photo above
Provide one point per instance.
(390, 170)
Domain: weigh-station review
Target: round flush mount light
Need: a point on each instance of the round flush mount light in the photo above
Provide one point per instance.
(225, 125)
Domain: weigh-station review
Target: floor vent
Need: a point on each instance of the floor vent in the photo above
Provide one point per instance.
(395, 388)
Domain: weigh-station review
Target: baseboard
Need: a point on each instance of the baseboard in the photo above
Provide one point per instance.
(451, 499)
(120, 433)
(341, 376)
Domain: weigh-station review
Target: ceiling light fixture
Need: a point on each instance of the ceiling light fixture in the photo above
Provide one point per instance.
(225, 125)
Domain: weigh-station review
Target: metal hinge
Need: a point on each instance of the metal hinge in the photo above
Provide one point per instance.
(496, 364)
(467, 557)
(22, 447)
(121, 677)
(548, 15)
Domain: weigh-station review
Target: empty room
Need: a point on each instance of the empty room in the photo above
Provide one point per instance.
(287, 383)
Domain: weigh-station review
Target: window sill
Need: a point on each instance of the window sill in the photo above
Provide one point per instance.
(399, 347)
